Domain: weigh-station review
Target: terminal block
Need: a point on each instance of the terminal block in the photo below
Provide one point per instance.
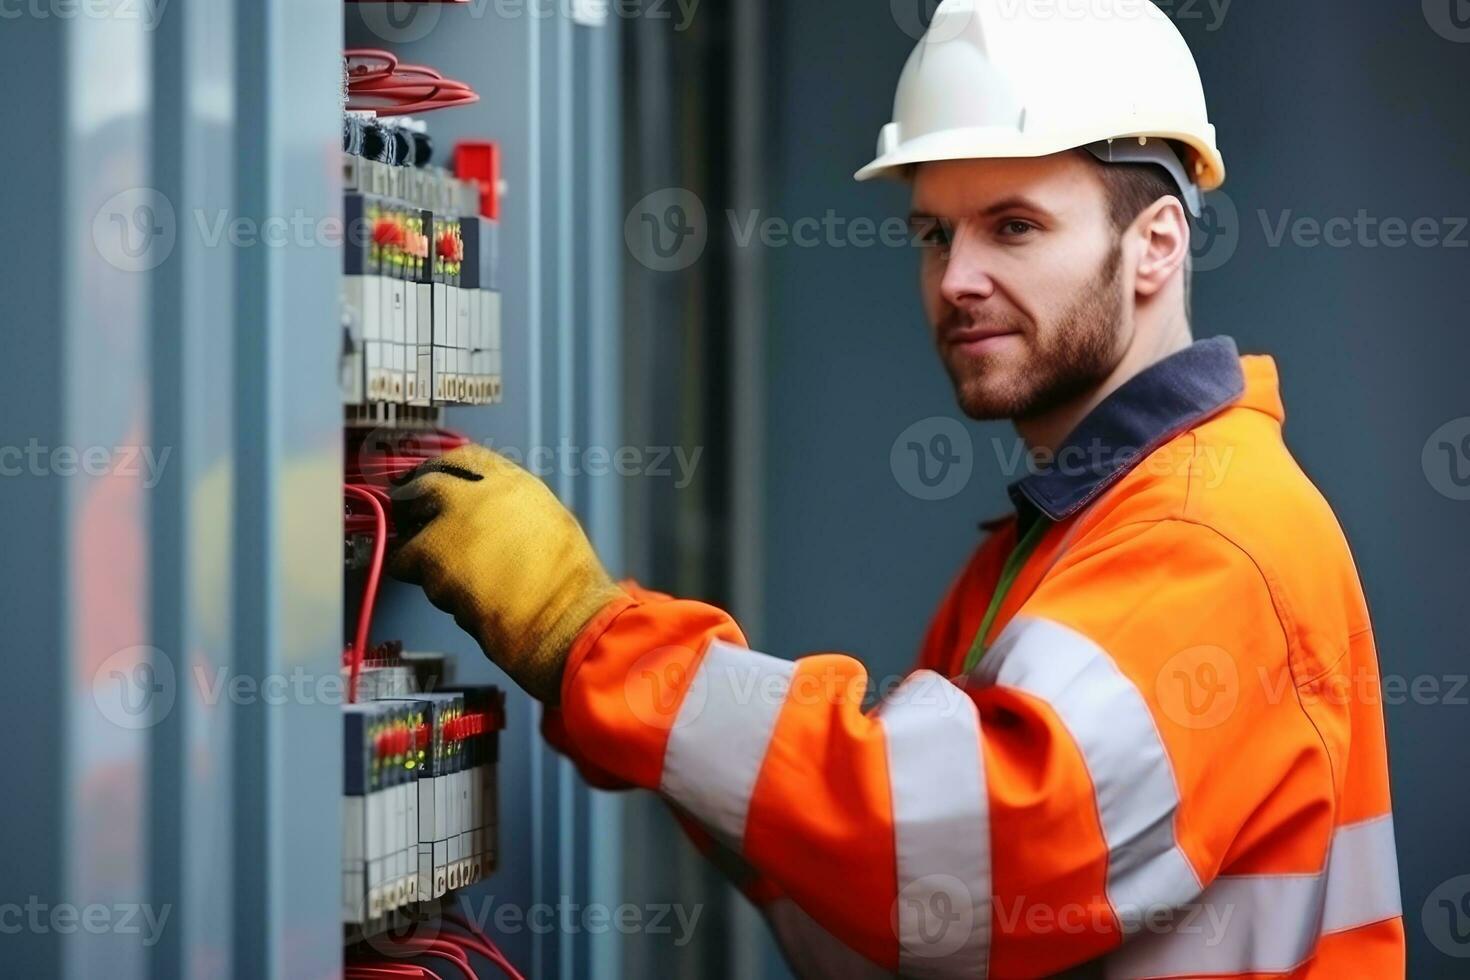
(385, 294)
(420, 803)
(379, 808)
(421, 294)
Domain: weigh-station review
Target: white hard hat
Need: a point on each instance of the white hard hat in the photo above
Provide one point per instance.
(1028, 78)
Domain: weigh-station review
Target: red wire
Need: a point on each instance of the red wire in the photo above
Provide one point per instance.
(370, 590)
(395, 460)
(464, 965)
(364, 472)
(377, 81)
(492, 951)
(441, 949)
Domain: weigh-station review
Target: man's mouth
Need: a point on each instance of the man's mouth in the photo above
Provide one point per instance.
(974, 340)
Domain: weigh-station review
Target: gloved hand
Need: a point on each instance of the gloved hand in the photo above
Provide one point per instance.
(492, 545)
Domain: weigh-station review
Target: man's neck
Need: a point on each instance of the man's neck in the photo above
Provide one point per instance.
(1049, 430)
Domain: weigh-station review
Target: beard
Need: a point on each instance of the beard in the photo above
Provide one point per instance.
(1057, 363)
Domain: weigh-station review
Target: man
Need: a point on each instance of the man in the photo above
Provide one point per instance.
(1143, 738)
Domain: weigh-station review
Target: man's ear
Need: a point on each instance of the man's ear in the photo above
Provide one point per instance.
(1163, 232)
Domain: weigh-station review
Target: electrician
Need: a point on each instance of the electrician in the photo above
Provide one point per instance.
(1142, 735)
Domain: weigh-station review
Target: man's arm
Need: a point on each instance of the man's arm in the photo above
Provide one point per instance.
(1029, 817)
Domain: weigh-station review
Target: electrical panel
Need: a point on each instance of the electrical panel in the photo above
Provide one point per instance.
(419, 791)
(421, 300)
(421, 331)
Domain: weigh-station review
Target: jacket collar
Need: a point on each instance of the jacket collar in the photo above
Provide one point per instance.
(1151, 408)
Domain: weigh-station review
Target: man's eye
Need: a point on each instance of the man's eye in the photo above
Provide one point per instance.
(931, 232)
(1015, 227)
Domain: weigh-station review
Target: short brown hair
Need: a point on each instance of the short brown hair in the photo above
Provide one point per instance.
(1131, 187)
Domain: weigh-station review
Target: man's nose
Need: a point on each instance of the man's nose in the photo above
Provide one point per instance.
(967, 277)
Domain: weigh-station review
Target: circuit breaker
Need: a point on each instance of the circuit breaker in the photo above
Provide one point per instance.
(419, 794)
(421, 302)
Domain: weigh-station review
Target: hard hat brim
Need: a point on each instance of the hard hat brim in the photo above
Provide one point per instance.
(990, 143)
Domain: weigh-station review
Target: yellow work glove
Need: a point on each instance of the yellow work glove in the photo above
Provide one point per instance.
(492, 545)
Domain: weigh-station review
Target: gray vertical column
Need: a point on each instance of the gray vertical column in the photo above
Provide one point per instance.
(190, 528)
(750, 943)
(287, 483)
(600, 175)
(34, 593)
(78, 463)
(116, 233)
(559, 829)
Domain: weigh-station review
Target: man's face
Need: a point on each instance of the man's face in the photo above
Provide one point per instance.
(1023, 282)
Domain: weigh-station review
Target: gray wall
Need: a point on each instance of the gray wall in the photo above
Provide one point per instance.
(1323, 109)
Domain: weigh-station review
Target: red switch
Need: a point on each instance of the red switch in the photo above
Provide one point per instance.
(479, 160)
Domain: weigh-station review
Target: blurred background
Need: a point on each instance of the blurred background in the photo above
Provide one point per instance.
(688, 270)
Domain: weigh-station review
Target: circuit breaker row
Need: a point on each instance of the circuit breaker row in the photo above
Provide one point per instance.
(419, 805)
(421, 291)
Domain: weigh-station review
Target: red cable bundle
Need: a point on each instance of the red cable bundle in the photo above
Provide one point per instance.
(376, 81)
(438, 949)
(370, 590)
(373, 460)
(479, 942)
(374, 971)
(450, 947)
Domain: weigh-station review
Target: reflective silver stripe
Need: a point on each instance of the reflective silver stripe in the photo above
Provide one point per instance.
(720, 735)
(812, 952)
(1132, 778)
(1362, 876)
(1272, 923)
(941, 827)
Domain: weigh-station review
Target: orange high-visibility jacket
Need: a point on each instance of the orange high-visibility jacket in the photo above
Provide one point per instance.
(1169, 761)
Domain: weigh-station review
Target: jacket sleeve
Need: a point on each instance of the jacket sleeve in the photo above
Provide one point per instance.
(759, 889)
(1018, 821)
(554, 727)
